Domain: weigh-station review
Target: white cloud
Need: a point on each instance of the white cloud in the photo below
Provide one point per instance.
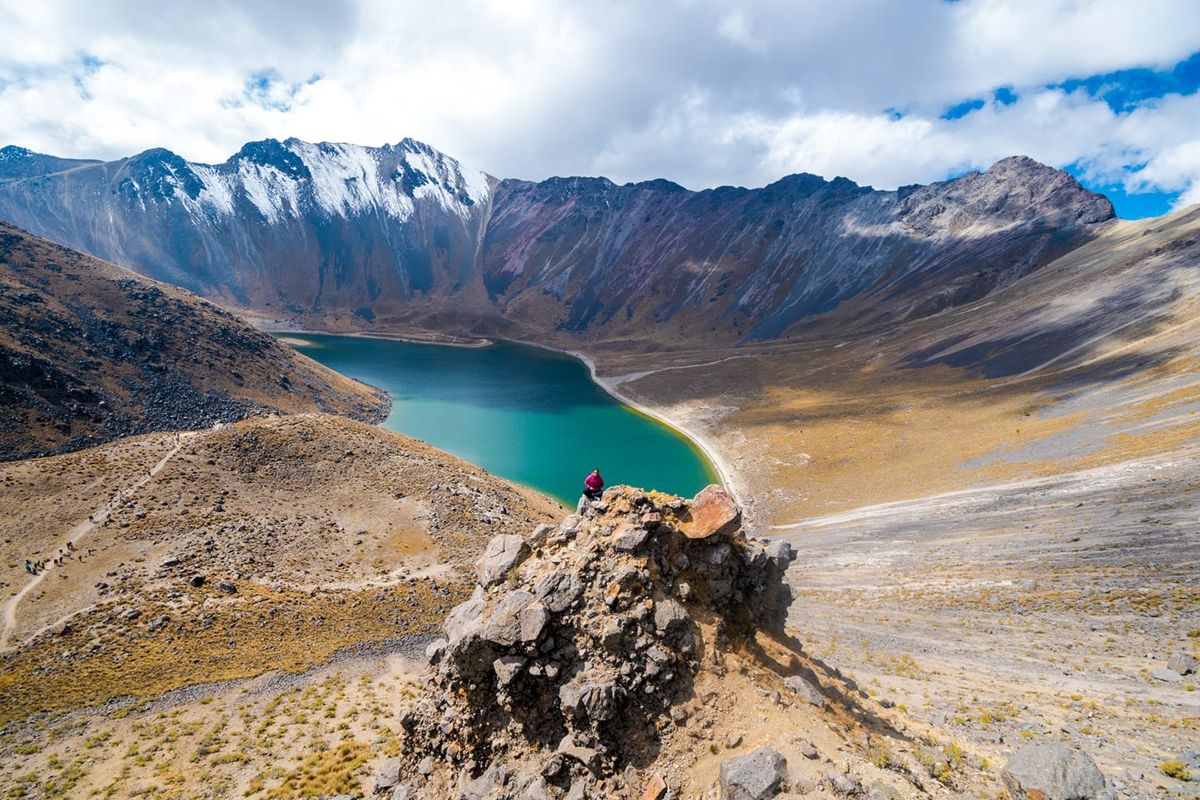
(693, 90)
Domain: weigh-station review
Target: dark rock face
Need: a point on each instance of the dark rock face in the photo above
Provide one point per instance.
(754, 776)
(404, 232)
(563, 673)
(90, 353)
(752, 263)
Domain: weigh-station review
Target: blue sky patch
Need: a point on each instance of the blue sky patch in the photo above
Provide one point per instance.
(1128, 205)
(1126, 89)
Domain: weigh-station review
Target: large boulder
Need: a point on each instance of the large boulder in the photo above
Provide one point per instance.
(502, 554)
(1182, 663)
(755, 776)
(1054, 772)
(806, 690)
(711, 512)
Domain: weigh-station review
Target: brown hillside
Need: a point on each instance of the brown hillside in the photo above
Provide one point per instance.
(90, 352)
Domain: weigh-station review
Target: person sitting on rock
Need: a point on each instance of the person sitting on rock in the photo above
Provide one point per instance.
(593, 486)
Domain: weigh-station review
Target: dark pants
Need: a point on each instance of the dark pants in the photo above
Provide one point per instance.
(593, 494)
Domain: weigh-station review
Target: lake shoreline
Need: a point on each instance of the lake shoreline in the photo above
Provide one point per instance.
(442, 340)
(723, 470)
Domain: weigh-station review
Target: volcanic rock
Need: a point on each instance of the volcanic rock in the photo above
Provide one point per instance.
(567, 670)
(1054, 772)
(755, 776)
(712, 512)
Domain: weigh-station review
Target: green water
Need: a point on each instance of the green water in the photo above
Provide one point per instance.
(525, 414)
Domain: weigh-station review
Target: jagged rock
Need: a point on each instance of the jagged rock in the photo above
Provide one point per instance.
(487, 786)
(755, 776)
(807, 749)
(226, 587)
(502, 554)
(630, 538)
(655, 788)
(805, 690)
(669, 616)
(558, 591)
(434, 650)
(584, 755)
(506, 668)
(1166, 675)
(518, 617)
(536, 789)
(540, 534)
(1054, 772)
(1182, 663)
(712, 512)
(387, 776)
(881, 791)
(465, 619)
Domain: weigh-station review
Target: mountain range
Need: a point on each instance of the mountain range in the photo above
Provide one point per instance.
(405, 234)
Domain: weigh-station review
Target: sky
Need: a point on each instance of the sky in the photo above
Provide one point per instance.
(701, 92)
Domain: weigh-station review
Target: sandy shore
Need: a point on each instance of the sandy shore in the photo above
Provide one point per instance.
(444, 340)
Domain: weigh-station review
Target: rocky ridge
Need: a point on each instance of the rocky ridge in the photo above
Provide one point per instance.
(341, 236)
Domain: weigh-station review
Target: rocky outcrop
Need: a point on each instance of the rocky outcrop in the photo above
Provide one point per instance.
(405, 234)
(565, 667)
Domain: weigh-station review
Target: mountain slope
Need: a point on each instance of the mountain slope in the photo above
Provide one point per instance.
(325, 532)
(288, 224)
(351, 235)
(90, 352)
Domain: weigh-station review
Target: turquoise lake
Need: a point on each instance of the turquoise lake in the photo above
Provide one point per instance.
(529, 415)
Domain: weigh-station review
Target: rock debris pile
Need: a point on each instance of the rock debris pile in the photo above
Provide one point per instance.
(567, 665)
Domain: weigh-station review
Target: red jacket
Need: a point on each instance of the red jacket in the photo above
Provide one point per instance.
(594, 482)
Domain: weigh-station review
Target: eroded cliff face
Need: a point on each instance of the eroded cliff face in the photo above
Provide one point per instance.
(405, 234)
(753, 263)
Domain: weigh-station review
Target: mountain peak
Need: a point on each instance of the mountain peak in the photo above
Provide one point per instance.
(273, 153)
(12, 152)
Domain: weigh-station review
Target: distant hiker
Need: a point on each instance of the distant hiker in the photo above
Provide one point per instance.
(593, 486)
(70, 545)
(29, 566)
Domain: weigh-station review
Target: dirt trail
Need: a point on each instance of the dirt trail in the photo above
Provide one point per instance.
(76, 536)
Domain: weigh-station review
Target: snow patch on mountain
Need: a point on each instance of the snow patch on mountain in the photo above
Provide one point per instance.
(346, 180)
(273, 193)
(216, 193)
(342, 180)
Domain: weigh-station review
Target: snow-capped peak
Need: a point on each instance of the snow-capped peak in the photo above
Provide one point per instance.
(284, 179)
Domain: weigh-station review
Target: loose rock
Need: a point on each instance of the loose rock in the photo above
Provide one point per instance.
(755, 776)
